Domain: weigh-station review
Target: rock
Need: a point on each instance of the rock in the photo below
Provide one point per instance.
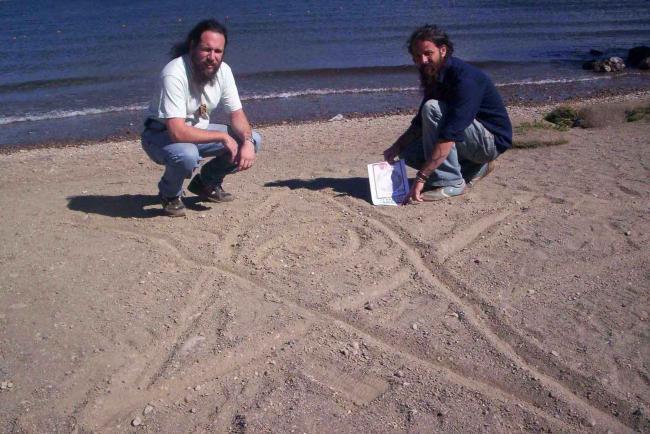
(477, 261)
(617, 63)
(344, 351)
(555, 353)
(148, 409)
(399, 374)
(338, 117)
(369, 305)
(628, 233)
(531, 291)
(637, 54)
(136, 421)
(613, 64)
(644, 64)
(589, 66)
(192, 410)
(197, 387)
(355, 346)
(414, 326)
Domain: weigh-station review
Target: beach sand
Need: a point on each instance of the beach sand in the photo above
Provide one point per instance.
(300, 307)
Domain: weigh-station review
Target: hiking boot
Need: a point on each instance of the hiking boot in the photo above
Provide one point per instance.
(484, 171)
(173, 206)
(207, 193)
(439, 193)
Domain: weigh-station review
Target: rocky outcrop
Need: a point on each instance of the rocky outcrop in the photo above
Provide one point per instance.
(644, 64)
(638, 57)
(612, 64)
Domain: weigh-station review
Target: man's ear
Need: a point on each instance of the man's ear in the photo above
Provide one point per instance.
(443, 51)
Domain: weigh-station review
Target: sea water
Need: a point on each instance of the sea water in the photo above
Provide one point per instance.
(77, 70)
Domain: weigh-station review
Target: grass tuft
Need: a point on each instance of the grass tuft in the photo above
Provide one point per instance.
(531, 144)
(563, 116)
(637, 114)
(525, 127)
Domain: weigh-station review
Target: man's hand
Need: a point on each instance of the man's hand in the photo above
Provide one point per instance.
(415, 194)
(232, 147)
(246, 156)
(391, 153)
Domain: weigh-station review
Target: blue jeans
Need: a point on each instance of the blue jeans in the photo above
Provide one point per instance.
(465, 158)
(180, 159)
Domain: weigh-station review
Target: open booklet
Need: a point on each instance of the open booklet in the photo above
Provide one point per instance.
(389, 184)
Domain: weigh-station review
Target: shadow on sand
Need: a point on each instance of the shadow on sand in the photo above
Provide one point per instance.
(126, 205)
(354, 187)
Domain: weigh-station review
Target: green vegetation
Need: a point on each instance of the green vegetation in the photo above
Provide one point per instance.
(530, 144)
(525, 127)
(637, 114)
(563, 116)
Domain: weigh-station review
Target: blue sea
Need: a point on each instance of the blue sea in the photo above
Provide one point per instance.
(73, 70)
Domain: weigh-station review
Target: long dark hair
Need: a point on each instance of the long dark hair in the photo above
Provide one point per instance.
(431, 33)
(193, 38)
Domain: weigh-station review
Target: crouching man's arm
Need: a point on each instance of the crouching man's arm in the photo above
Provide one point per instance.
(242, 129)
(180, 132)
(438, 156)
(413, 132)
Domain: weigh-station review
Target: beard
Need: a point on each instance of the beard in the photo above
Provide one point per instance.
(428, 76)
(204, 72)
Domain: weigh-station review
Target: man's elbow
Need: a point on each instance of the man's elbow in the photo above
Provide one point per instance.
(175, 137)
(176, 132)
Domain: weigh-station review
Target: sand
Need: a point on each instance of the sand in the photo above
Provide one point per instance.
(300, 307)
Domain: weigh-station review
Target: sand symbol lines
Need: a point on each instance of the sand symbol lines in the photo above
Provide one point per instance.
(355, 301)
(486, 331)
(487, 389)
(355, 388)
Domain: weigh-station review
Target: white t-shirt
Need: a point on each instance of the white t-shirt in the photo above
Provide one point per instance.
(178, 97)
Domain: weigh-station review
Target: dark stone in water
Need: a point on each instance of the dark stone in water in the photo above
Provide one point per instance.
(637, 54)
(645, 63)
(589, 66)
(613, 64)
(595, 52)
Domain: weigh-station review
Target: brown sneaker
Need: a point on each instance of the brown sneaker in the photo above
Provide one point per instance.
(210, 194)
(173, 206)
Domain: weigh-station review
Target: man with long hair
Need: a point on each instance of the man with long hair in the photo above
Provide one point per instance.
(178, 133)
(462, 125)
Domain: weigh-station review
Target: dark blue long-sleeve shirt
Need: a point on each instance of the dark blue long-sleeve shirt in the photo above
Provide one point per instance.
(468, 94)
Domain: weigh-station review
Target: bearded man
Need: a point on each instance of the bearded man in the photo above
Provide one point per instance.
(178, 133)
(461, 127)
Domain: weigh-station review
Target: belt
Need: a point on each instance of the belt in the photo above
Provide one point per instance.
(154, 125)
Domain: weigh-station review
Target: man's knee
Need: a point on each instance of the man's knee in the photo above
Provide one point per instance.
(432, 111)
(185, 157)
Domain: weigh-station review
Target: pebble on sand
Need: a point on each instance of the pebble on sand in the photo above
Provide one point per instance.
(136, 421)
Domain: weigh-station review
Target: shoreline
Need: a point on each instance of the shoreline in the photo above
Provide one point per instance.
(607, 95)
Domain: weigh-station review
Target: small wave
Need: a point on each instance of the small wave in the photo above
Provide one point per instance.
(62, 114)
(309, 92)
(552, 81)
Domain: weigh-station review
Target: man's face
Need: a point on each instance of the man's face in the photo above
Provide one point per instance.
(207, 55)
(428, 58)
